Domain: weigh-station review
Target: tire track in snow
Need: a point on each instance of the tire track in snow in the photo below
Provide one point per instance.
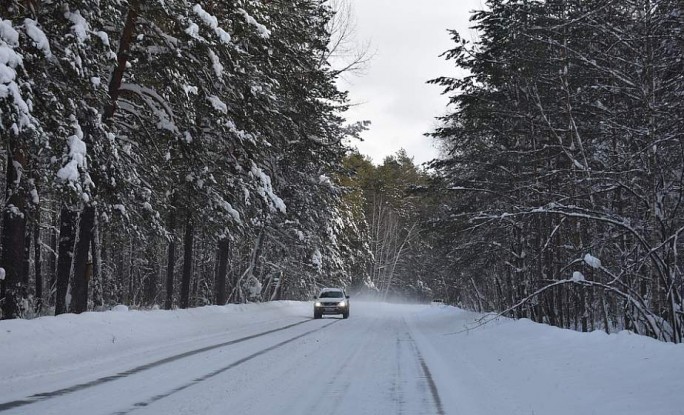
(432, 386)
(219, 371)
(334, 391)
(397, 381)
(65, 391)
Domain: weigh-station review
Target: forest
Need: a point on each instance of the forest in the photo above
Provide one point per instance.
(174, 154)
(564, 165)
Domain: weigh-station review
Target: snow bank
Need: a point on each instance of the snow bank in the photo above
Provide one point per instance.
(521, 367)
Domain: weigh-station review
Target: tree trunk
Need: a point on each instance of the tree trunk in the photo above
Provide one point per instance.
(13, 235)
(130, 296)
(604, 309)
(37, 264)
(278, 288)
(171, 261)
(67, 238)
(82, 267)
(104, 274)
(98, 285)
(13, 262)
(187, 264)
(52, 258)
(224, 250)
(150, 284)
(127, 35)
(584, 311)
(26, 269)
(120, 273)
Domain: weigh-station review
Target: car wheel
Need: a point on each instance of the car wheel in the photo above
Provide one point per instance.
(345, 315)
(317, 315)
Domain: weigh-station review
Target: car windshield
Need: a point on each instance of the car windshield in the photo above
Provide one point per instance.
(331, 294)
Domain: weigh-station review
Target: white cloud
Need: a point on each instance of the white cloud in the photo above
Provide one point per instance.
(408, 37)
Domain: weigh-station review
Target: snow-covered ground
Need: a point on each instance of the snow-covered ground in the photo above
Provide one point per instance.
(274, 358)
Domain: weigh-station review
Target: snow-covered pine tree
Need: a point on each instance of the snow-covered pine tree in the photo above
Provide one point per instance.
(552, 154)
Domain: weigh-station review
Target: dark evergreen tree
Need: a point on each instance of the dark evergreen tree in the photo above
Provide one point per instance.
(551, 158)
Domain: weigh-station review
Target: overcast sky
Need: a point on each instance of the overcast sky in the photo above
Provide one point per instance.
(407, 37)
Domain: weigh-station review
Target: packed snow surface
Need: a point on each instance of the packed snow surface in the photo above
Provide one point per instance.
(273, 358)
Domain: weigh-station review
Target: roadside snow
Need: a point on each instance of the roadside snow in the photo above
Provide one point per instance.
(512, 367)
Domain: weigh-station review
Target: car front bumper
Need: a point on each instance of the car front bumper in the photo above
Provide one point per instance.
(331, 309)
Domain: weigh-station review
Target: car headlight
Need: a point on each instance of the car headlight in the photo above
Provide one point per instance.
(342, 304)
(318, 304)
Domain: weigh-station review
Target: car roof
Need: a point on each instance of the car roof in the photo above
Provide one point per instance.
(324, 290)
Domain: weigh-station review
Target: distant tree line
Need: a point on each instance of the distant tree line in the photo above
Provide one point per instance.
(393, 215)
(562, 178)
(171, 153)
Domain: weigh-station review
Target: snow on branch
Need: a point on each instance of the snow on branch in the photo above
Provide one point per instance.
(261, 29)
(218, 105)
(38, 37)
(221, 202)
(192, 30)
(577, 277)
(592, 261)
(240, 134)
(10, 61)
(576, 212)
(266, 189)
(80, 27)
(216, 64)
(8, 34)
(156, 103)
(77, 155)
(212, 22)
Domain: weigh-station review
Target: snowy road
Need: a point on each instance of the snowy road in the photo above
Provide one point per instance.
(275, 359)
(366, 364)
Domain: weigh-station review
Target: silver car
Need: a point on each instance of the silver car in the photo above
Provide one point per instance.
(331, 301)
